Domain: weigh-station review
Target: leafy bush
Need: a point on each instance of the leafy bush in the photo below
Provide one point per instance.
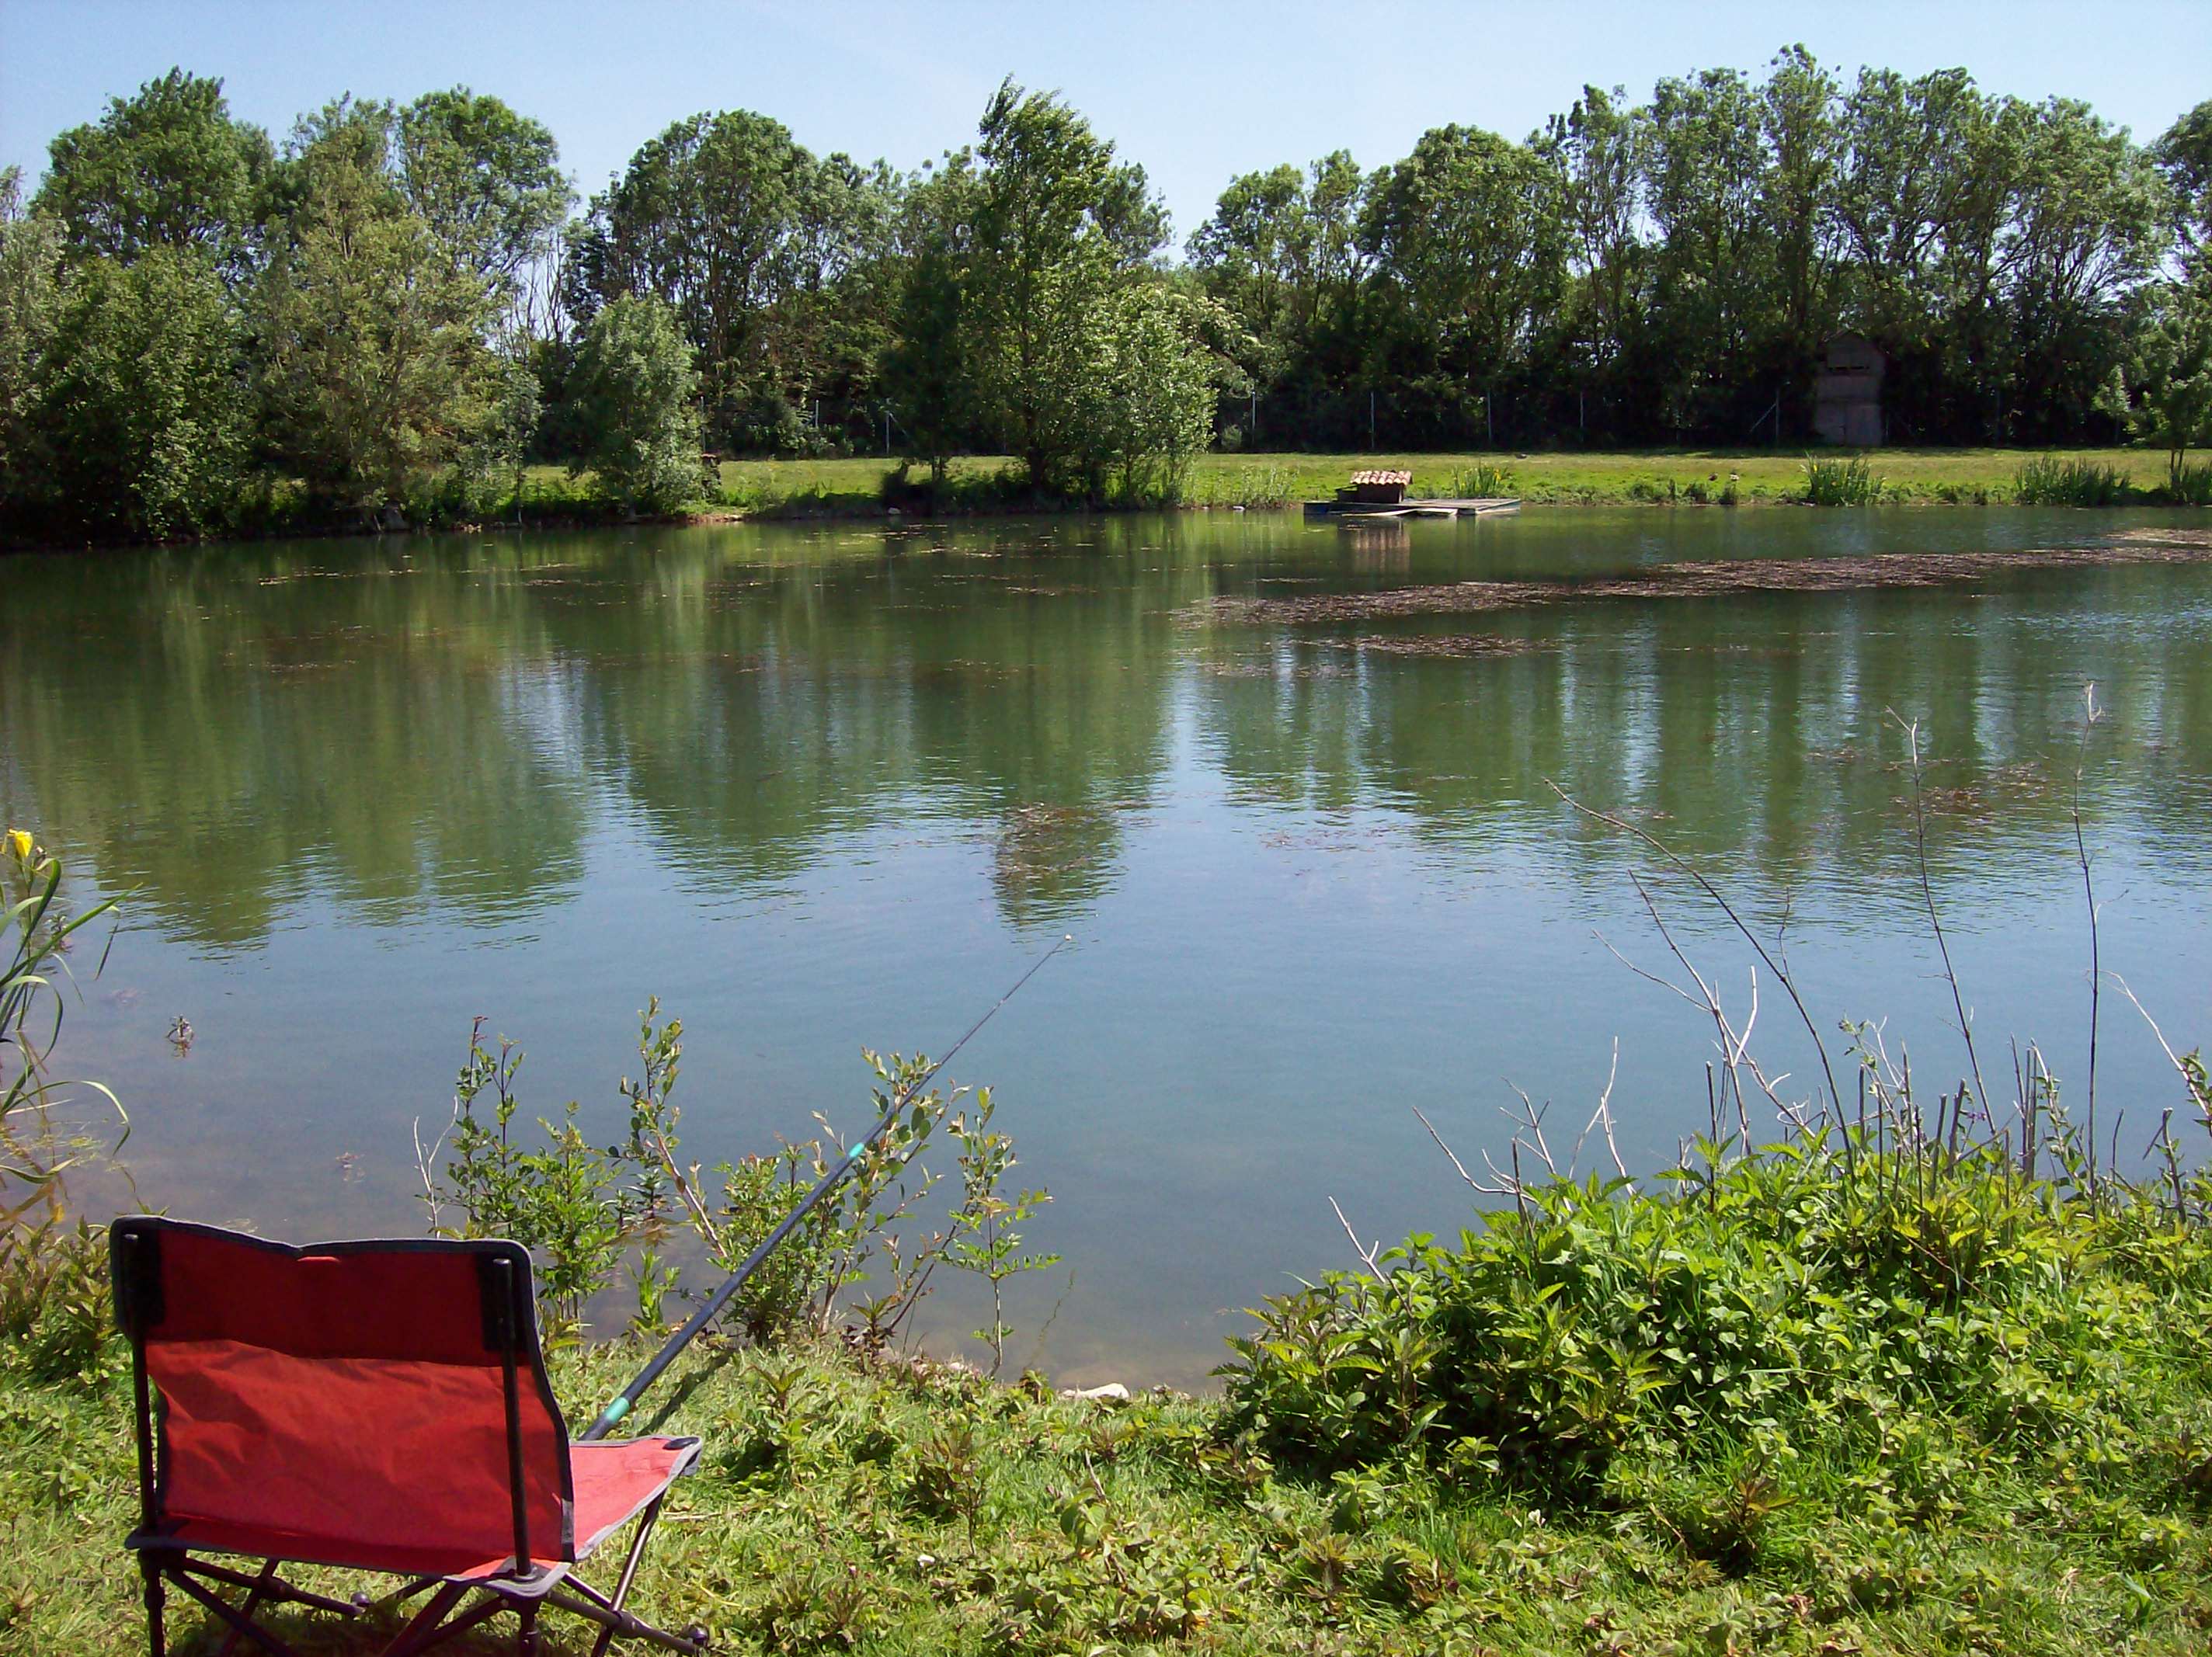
(55, 1307)
(1797, 1293)
(562, 1201)
(584, 1212)
(633, 388)
(2046, 481)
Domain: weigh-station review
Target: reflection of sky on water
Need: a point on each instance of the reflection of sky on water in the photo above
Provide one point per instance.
(823, 789)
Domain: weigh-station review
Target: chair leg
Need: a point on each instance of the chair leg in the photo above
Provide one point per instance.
(639, 1538)
(623, 1625)
(526, 1633)
(229, 1613)
(261, 1587)
(156, 1643)
(410, 1638)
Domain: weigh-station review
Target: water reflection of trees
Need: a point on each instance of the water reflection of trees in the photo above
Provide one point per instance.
(392, 725)
(1757, 733)
(230, 732)
(233, 730)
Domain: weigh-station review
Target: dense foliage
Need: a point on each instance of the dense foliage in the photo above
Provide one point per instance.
(387, 312)
(633, 385)
(1773, 1308)
(1673, 270)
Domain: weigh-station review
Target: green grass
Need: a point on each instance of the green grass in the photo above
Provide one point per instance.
(1945, 1410)
(1920, 476)
(853, 486)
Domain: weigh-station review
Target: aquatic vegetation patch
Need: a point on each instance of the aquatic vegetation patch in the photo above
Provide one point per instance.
(1714, 578)
(1448, 644)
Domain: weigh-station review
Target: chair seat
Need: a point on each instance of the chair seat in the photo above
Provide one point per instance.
(613, 1483)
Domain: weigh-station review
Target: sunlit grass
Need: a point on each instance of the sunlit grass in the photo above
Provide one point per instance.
(1685, 476)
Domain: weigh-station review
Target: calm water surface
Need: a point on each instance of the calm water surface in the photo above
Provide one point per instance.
(824, 787)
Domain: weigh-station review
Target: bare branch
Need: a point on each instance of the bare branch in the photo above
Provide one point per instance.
(1602, 1118)
(1458, 1167)
(1912, 730)
(1366, 1252)
(2188, 1080)
(1726, 908)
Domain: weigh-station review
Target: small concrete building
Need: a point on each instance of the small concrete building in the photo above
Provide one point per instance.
(1847, 391)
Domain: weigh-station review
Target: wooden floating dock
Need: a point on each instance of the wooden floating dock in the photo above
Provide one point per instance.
(1489, 506)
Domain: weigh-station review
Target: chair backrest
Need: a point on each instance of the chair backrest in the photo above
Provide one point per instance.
(382, 1401)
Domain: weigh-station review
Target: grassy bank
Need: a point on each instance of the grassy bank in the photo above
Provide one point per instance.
(549, 496)
(1688, 477)
(855, 486)
(1917, 1403)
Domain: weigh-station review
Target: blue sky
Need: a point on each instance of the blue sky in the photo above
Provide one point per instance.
(1195, 91)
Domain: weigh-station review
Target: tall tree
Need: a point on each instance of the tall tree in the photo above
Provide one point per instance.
(1797, 117)
(30, 251)
(1282, 255)
(168, 167)
(1465, 235)
(2083, 234)
(1705, 175)
(142, 403)
(828, 331)
(1152, 386)
(375, 373)
(927, 375)
(2183, 153)
(2165, 392)
(1256, 253)
(1594, 149)
(486, 180)
(1059, 225)
(1904, 188)
(635, 389)
(703, 220)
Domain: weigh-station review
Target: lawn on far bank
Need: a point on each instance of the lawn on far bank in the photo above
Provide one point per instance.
(1953, 476)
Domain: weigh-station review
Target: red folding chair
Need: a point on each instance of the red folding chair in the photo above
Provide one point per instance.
(380, 1407)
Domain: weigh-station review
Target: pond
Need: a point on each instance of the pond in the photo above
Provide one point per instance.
(828, 786)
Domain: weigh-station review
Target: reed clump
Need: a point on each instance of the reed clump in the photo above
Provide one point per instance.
(1848, 481)
(1485, 480)
(2188, 485)
(2047, 481)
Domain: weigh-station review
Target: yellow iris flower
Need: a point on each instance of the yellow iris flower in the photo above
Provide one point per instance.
(19, 842)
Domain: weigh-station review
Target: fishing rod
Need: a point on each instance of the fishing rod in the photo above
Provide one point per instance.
(627, 1399)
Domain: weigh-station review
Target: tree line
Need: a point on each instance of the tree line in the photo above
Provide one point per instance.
(1673, 270)
(397, 307)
